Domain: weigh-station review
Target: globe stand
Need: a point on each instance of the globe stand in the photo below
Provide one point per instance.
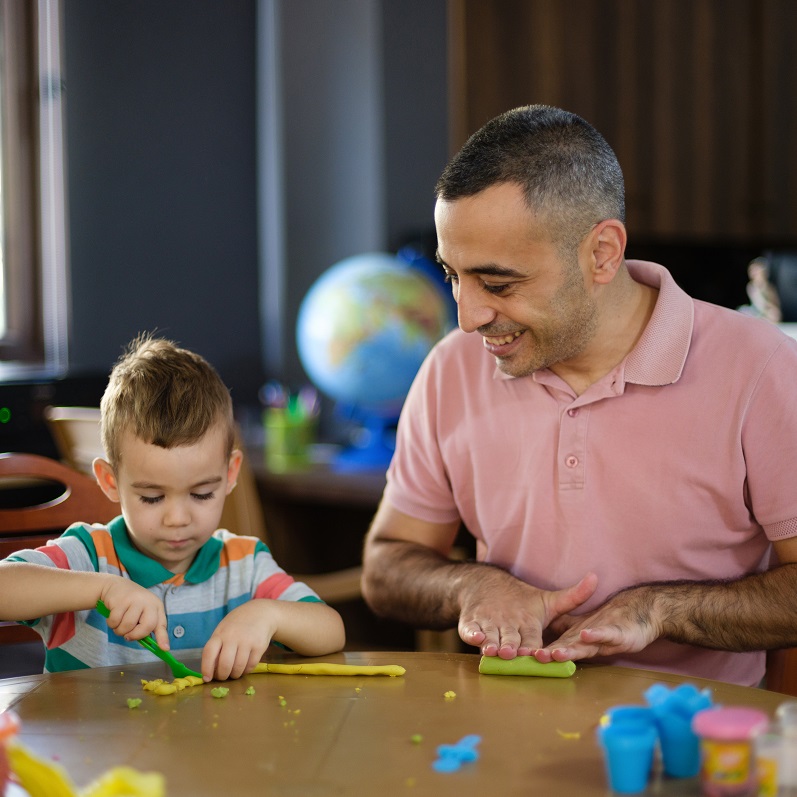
(373, 448)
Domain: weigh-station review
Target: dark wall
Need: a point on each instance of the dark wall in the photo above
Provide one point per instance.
(161, 139)
(161, 154)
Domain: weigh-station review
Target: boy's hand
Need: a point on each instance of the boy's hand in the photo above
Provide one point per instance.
(240, 640)
(134, 612)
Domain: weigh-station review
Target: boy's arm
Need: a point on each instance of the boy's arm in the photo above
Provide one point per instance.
(30, 591)
(241, 638)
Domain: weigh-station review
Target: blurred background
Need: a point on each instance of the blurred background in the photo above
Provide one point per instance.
(218, 157)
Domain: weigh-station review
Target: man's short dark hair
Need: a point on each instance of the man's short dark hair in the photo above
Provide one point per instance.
(569, 174)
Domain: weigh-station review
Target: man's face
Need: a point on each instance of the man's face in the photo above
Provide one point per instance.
(511, 283)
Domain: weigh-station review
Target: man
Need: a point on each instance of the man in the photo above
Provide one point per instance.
(623, 454)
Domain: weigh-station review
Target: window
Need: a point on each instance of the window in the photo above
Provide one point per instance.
(33, 306)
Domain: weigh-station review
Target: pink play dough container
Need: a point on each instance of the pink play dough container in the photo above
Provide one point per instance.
(727, 753)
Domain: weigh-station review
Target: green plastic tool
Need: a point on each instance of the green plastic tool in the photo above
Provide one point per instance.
(179, 670)
(526, 665)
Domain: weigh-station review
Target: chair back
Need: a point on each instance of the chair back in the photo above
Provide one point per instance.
(77, 497)
(76, 433)
(39, 498)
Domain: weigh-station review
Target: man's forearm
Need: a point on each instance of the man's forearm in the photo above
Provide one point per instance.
(416, 585)
(757, 612)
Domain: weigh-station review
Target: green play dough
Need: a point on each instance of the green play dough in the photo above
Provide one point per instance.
(525, 665)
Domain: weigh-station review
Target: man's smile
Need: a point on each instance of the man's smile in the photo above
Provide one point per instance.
(503, 339)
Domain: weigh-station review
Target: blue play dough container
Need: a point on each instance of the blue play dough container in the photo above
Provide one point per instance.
(628, 749)
(680, 747)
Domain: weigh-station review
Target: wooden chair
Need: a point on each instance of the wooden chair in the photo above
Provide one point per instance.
(782, 671)
(76, 433)
(40, 499)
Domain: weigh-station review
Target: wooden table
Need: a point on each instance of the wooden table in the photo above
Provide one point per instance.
(345, 735)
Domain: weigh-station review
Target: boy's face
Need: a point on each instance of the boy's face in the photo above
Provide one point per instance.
(171, 498)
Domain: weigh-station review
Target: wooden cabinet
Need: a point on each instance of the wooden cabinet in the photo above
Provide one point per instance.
(697, 97)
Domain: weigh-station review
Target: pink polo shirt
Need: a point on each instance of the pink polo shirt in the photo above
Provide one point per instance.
(679, 464)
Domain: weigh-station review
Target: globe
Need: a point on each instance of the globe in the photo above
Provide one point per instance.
(363, 330)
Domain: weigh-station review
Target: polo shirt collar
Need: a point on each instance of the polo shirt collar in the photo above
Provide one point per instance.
(149, 573)
(660, 354)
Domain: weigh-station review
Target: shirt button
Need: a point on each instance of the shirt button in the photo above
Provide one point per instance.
(572, 413)
(571, 461)
(179, 631)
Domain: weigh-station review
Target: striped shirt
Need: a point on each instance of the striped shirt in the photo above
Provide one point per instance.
(227, 571)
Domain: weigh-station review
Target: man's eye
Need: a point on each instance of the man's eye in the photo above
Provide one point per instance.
(449, 277)
(203, 496)
(496, 289)
(150, 499)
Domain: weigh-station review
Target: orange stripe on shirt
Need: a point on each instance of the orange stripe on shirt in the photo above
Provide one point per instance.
(274, 586)
(103, 543)
(235, 549)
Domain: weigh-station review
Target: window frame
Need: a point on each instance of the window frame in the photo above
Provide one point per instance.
(33, 207)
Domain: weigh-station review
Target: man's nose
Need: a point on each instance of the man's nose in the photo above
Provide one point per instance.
(473, 308)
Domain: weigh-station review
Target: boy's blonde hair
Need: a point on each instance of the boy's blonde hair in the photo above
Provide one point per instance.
(164, 395)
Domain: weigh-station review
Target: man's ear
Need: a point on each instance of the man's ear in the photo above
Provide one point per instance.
(233, 469)
(607, 249)
(103, 473)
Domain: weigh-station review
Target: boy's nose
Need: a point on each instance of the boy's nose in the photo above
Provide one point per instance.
(177, 514)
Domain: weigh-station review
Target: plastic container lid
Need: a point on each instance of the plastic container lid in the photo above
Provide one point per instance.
(729, 723)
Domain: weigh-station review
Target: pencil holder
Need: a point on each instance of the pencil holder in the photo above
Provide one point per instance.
(289, 436)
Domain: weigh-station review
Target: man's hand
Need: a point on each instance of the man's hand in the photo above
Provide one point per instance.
(134, 611)
(506, 617)
(239, 640)
(624, 624)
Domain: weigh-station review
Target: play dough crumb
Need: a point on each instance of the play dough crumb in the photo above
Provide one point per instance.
(250, 691)
(220, 691)
(569, 734)
(416, 738)
(133, 702)
(450, 695)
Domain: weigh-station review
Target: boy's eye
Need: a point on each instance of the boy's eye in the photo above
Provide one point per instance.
(449, 276)
(203, 496)
(150, 499)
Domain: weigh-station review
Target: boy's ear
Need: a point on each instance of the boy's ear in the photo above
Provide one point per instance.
(104, 474)
(233, 469)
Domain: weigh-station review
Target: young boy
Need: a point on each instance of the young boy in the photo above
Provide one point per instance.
(163, 567)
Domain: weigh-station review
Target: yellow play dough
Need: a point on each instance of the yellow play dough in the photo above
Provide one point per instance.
(160, 687)
(320, 668)
(41, 778)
